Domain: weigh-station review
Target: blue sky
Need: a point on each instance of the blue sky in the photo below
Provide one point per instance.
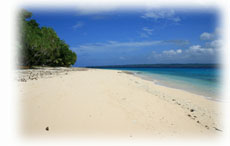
(136, 36)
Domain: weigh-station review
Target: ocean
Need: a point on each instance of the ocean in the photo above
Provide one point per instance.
(201, 81)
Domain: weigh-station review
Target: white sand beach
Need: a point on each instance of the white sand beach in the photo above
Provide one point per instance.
(96, 102)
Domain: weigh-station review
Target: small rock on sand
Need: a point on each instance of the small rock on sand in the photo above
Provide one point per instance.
(47, 128)
(192, 110)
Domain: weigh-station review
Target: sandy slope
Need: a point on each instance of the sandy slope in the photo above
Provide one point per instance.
(113, 103)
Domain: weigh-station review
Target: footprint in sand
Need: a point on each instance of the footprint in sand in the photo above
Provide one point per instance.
(123, 98)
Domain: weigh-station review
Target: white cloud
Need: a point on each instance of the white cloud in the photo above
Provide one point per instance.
(212, 39)
(169, 52)
(91, 9)
(175, 19)
(197, 49)
(215, 43)
(148, 30)
(207, 36)
(158, 14)
(133, 44)
(194, 53)
(162, 14)
(118, 45)
(126, 45)
(172, 52)
(78, 25)
(179, 51)
(190, 55)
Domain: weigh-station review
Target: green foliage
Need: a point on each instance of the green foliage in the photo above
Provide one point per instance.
(42, 46)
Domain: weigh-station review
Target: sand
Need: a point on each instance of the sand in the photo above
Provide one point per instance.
(113, 103)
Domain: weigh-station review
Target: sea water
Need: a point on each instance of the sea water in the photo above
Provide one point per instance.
(202, 81)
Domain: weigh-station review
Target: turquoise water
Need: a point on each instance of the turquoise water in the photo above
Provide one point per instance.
(202, 81)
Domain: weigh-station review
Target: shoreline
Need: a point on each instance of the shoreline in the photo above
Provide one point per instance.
(170, 84)
(155, 81)
(114, 98)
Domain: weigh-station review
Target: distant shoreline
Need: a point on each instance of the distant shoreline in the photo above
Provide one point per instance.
(159, 66)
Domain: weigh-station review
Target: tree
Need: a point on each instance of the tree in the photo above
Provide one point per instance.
(42, 46)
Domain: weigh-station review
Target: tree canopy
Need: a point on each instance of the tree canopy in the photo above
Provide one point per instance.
(41, 45)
